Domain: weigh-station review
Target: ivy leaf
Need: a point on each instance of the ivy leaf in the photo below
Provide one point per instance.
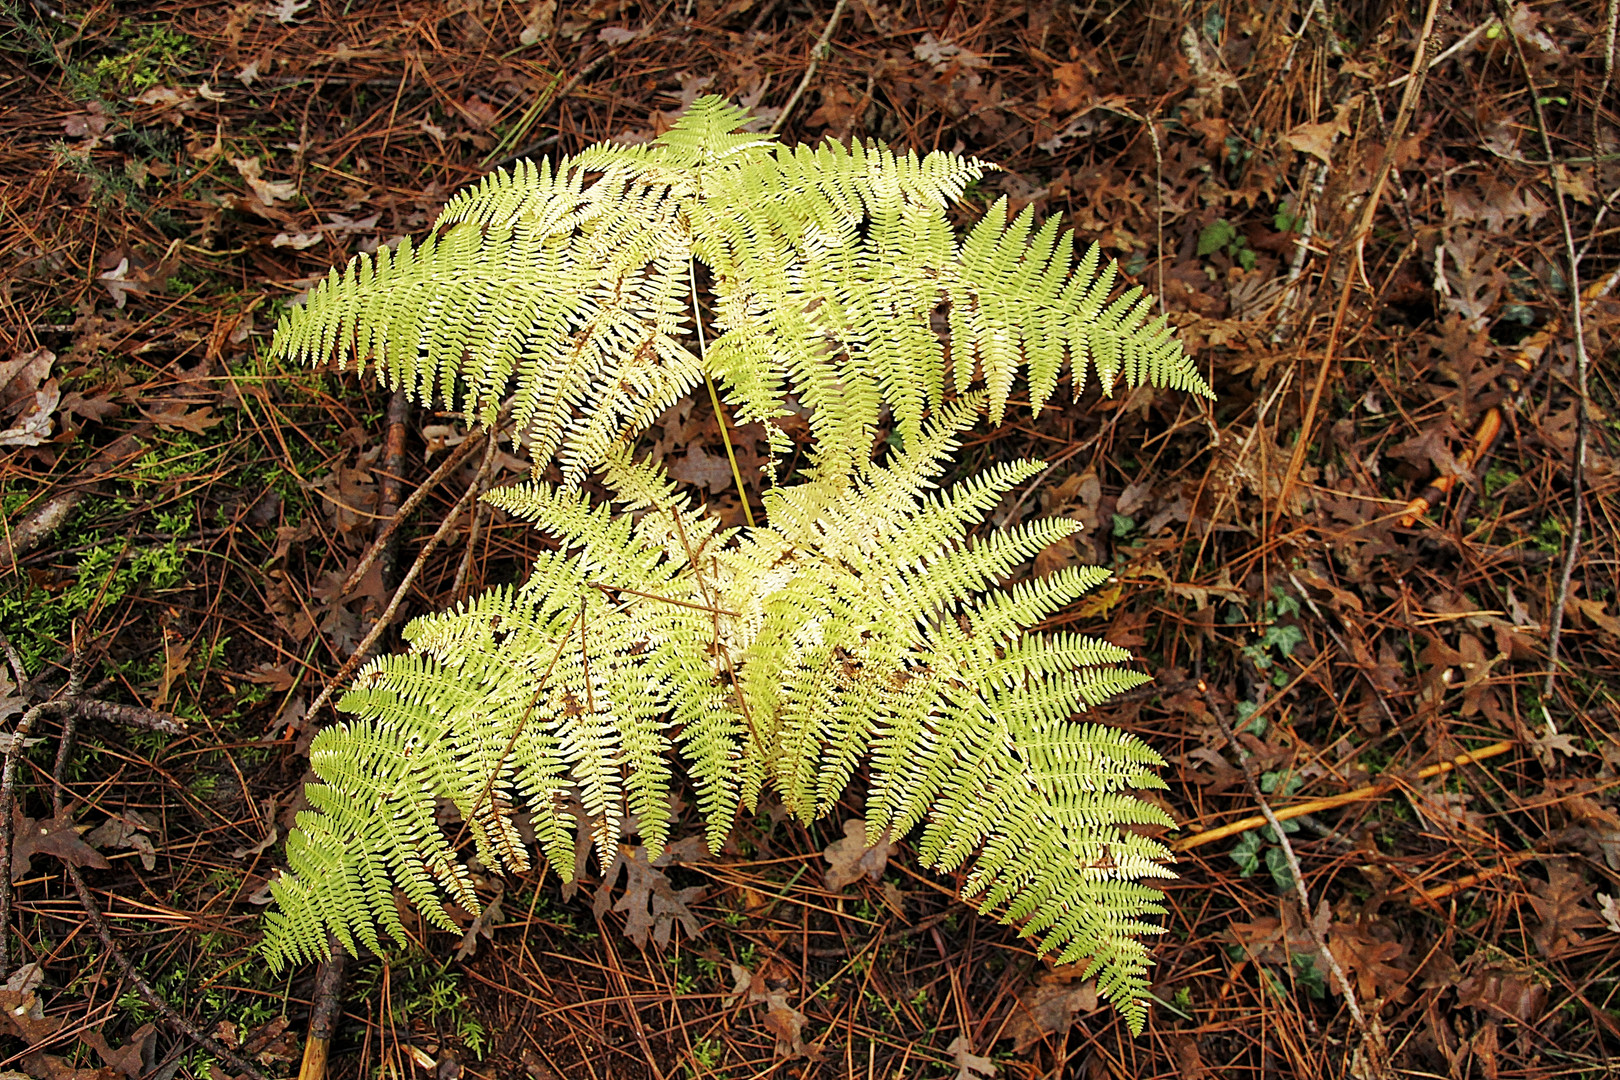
(57, 836)
(1215, 236)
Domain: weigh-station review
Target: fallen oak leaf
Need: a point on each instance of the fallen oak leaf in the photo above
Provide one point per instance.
(131, 1060)
(266, 191)
(482, 926)
(850, 857)
(22, 1014)
(786, 1023)
(123, 831)
(56, 836)
(651, 906)
(1559, 903)
(1049, 1008)
(174, 415)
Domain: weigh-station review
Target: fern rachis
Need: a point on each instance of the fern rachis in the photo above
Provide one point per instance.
(764, 655)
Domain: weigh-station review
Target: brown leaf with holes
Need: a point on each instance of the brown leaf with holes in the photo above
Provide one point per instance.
(22, 1014)
(56, 836)
(1049, 1008)
(850, 858)
(1560, 904)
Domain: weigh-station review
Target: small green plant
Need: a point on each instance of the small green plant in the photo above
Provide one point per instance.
(1222, 235)
(151, 53)
(857, 618)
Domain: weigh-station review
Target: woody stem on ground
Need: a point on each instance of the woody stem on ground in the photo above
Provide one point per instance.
(386, 619)
(1373, 1038)
(816, 54)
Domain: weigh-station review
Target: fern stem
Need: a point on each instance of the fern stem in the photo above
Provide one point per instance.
(714, 396)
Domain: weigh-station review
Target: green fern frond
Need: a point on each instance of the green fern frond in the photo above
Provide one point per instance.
(572, 285)
(871, 620)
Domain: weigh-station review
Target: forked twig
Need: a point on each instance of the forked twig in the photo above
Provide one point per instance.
(70, 708)
(387, 617)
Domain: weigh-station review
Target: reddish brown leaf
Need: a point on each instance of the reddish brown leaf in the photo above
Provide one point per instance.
(1504, 992)
(22, 1014)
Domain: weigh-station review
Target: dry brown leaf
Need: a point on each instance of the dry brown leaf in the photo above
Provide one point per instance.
(1560, 904)
(702, 469)
(126, 830)
(177, 415)
(1049, 1008)
(131, 1060)
(1189, 1062)
(850, 858)
(651, 906)
(56, 836)
(22, 1014)
(969, 1066)
(1314, 139)
(1365, 952)
(1592, 611)
(266, 191)
(1505, 992)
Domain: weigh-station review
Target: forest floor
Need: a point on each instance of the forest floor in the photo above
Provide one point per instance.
(1355, 228)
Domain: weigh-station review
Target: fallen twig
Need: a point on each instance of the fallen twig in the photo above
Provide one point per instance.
(70, 708)
(1577, 327)
(325, 1011)
(491, 445)
(1353, 248)
(1316, 806)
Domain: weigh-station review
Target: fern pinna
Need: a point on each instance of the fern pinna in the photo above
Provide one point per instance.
(859, 623)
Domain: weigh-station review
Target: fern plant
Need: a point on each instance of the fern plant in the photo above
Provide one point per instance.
(860, 622)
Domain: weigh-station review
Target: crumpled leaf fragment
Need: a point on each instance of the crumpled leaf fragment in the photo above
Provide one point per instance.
(969, 1066)
(125, 830)
(1560, 904)
(849, 858)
